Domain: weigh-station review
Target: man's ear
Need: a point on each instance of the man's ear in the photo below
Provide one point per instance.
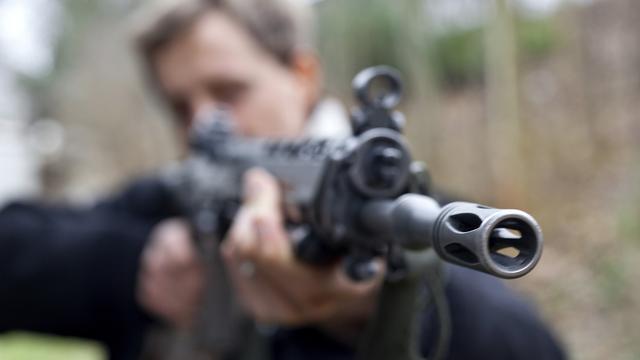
(308, 70)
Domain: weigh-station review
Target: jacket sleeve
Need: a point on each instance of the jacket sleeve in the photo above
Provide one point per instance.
(489, 321)
(73, 272)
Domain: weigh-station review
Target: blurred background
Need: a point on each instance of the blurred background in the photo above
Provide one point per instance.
(531, 104)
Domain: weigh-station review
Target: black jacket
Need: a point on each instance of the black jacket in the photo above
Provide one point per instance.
(73, 272)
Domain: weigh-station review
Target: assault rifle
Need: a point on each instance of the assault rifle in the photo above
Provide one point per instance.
(359, 198)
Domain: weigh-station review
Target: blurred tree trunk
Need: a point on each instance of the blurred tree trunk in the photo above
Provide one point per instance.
(112, 130)
(635, 21)
(504, 128)
(421, 90)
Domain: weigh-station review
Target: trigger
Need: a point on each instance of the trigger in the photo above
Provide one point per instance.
(308, 247)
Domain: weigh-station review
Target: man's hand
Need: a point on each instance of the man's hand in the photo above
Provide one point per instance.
(171, 278)
(275, 286)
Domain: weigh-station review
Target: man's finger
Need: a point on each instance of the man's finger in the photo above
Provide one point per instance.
(265, 303)
(262, 193)
(275, 249)
(242, 238)
(179, 246)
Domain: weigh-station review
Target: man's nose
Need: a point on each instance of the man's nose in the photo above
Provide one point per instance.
(201, 107)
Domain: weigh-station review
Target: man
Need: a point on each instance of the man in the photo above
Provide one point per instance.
(252, 57)
(270, 90)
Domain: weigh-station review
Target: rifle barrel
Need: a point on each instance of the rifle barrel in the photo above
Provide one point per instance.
(501, 242)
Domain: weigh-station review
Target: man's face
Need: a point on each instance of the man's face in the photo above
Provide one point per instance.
(216, 63)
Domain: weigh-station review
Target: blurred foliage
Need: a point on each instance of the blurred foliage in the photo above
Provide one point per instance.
(628, 223)
(349, 43)
(458, 56)
(628, 214)
(613, 280)
(19, 346)
(537, 38)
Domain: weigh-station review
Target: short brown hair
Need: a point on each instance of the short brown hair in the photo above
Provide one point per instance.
(279, 26)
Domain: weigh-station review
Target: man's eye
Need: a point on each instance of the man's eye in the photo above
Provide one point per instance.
(229, 93)
(181, 110)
